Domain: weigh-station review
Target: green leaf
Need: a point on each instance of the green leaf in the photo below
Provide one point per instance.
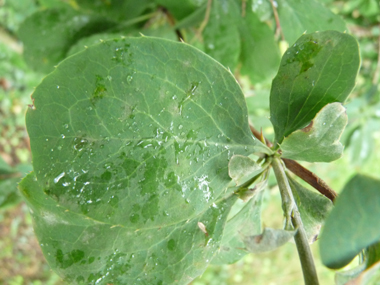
(313, 208)
(269, 240)
(260, 55)
(120, 136)
(245, 221)
(320, 68)
(221, 35)
(350, 227)
(319, 141)
(181, 9)
(47, 35)
(300, 16)
(84, 250)
(243, 168)
(193, 19)
(115, 10)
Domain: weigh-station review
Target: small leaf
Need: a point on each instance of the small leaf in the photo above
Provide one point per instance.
(309, 16)
(319, 141)
(350, 227)
(244, 220)
(313, 208)
(319, 69)
(242, 168)
(269, 240)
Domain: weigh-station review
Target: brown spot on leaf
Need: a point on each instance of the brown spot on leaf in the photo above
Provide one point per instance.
(308, 127)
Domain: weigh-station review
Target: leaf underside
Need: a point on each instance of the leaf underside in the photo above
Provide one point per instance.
(132, 137)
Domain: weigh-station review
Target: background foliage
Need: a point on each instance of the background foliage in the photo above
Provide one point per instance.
(21, 260)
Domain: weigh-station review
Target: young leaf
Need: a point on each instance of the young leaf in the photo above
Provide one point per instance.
(320, 68)
(319, 141)
(296, 18)
(137, 133)
(245, 222)
(47, 35)
(269, 240)
(313, 208)
(84, 250)
(351, 225)
(242, 168)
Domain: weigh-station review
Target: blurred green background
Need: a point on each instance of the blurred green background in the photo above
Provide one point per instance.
(21, 260)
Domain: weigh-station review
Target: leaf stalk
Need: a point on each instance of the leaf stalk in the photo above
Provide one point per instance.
(292, 216)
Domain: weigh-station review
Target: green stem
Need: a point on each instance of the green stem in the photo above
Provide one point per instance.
(292, 214)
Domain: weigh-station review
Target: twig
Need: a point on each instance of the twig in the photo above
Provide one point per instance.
(243, 7)
(205, 20)
(306, 257)
(310, 178)
(277, 19)
(172, 23)
(375, 79)
(303, 173)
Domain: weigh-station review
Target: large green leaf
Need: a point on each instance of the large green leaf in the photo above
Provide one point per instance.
(84, 250)
(137, 133)
(320, 68)
(47, 35)
(319, 141)
(352, 224)
(221, 35)
(313, 208)
(299, 16)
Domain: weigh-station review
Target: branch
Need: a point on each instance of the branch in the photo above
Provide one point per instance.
(304, 252)
(310, 178)
(204, 22)
(277, 19)
(303, 173)
(172, 23)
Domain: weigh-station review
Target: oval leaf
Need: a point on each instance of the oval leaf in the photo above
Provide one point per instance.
(358, 206)
(320, 68)
(137, 133)
(319, 141)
